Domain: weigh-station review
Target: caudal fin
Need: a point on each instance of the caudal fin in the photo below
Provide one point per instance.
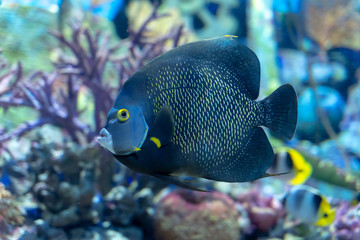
(281, 111)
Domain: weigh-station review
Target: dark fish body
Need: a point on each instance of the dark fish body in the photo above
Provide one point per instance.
(199, 101)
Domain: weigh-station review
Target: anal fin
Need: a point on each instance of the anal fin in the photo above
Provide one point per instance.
(250, 162)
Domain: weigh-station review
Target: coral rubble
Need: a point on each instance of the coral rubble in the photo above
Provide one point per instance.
(10, 214)
(195, 215)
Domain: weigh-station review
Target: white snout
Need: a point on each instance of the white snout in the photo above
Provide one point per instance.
(105, 140)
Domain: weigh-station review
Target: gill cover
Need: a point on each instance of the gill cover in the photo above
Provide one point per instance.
(128, 129)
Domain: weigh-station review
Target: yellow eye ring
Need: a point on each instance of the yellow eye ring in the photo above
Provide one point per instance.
(123, 115)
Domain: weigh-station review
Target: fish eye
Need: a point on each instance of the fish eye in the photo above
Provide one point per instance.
(326, 215)
(123, 115)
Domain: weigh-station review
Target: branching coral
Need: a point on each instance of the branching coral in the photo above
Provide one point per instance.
(6, 79)
(143, 45)
(333, 23)
(81, 67)
(88, 67)
(37, 92)
(69, 182)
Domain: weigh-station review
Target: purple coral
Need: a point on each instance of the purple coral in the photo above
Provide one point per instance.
(347, 222)
(185, 214)
(70, 178)
(54, 95)
(263, 211)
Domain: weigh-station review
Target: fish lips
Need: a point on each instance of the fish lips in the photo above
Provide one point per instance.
(105, 140)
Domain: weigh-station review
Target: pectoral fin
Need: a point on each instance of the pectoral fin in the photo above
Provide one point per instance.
(163, 129)
(274, 175)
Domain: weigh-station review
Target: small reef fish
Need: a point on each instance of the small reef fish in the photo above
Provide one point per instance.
(306, 204)
(290, 160)
(192, 112)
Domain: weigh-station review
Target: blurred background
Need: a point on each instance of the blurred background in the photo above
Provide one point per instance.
(62, 64)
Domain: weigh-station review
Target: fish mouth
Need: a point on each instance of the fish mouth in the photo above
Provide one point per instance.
(105, 140)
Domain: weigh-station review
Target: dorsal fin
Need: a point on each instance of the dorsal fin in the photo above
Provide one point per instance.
(227, 54)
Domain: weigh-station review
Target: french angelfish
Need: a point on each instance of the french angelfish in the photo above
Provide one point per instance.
(308, 205)
(193, 112)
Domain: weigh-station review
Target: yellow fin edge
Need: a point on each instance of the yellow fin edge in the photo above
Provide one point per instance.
(231, 36)
(136, 149)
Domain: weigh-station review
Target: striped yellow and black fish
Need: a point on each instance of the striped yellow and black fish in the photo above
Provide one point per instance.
(309, 206)
(192, 111)
(291, 161)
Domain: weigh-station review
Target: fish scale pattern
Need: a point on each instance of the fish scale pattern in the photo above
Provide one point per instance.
(213, 118)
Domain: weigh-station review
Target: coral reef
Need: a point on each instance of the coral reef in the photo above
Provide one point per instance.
(120, 206)
(84, 71)
(69, 179)
(347, 222)
(10, 214)
(166, 21)
(263, 211)
(57, 183)
(65, 187)
(69, 192)
(333, 23)
(196, 215)
(207, 18)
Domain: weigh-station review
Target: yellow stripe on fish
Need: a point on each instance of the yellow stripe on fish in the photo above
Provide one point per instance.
(290, 160)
